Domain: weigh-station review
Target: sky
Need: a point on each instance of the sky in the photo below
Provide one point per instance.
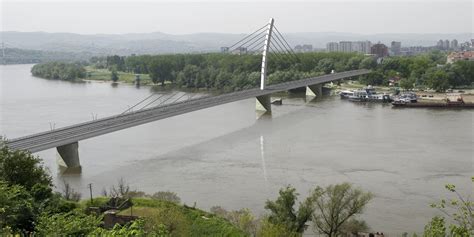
(185, 17)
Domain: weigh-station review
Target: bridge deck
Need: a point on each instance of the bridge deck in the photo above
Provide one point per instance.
(66, 135)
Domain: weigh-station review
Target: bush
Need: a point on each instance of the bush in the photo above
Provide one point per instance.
(67, 224)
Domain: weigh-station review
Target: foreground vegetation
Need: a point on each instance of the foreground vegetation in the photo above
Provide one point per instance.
(28, 206)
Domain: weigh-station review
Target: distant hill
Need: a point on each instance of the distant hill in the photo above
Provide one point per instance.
(160, 43)
(25, 56)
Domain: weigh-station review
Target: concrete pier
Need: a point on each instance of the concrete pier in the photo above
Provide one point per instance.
(70, 155)
(314, 90)
(263, 103)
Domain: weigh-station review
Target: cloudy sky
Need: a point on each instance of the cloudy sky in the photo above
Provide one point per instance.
(182, 17)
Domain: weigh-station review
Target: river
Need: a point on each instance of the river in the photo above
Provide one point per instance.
(225, 156)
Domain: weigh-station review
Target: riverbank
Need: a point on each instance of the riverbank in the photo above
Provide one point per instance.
(423, 96)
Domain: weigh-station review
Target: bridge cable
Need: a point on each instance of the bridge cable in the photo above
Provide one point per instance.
(278, 32)
(248, 36)
(179, 98)
(255, 41)
(277, 54)
(258, 46)
(162, 102)
(152, 94)
(278, 57)
(284, 49)
(281, 35)
(246, 42)
(155, 101)
(282, 52)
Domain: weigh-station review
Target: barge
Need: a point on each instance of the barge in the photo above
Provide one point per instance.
(457, 102)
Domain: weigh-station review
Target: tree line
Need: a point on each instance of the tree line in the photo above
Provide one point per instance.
(423, 71)
(229, 72)
(59, 71)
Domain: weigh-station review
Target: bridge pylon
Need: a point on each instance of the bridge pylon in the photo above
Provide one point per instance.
(263, 103)
(69, 154)
(314, 90)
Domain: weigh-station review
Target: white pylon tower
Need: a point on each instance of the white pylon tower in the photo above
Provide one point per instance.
(268, 37)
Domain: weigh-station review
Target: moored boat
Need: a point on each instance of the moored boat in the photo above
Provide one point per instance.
(368, 94)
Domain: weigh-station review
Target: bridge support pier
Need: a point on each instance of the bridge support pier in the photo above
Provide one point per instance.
(70, 155)
(314, 90)
(263, 103)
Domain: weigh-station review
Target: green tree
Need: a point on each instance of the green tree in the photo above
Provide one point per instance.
(16, 208)
(269, 229)
(282, 211)
(167, 196)
(436, 79)
(336, 204)
(373, 78)
(354, 226)
(114, 75)
(368, 63)
(407, 83)
(326, 65)
(67, 224)
(436, 228)
(460, 210)
(160, 70)
(22, 168)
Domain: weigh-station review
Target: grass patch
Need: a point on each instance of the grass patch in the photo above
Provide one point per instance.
(184, 220)
(125, 77)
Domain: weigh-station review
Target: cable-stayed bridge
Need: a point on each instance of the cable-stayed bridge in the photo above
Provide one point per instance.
(274, 45)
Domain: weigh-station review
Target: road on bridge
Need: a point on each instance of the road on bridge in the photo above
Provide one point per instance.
(66, 135)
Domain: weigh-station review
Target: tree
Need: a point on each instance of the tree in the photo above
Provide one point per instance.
(69, 193)
(368, 63)
(373, 78)
(269, 229)
(336, 204)
(354, 226)
(114, 75)
(407, 83)
(436, 79)
(326, 65)
(160, 70)
(167, 196)
(22, 168)
(436, 228)
(242, 218)
(460, 210)
(282, 211)
(16, 208)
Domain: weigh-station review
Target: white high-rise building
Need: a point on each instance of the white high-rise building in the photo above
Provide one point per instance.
(446, 44)
(361, 47)
(345, 46)
(454, 44)
(332, 47)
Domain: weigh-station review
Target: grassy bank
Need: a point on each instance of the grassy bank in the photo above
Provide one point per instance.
(185, 220)
(124, 77)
